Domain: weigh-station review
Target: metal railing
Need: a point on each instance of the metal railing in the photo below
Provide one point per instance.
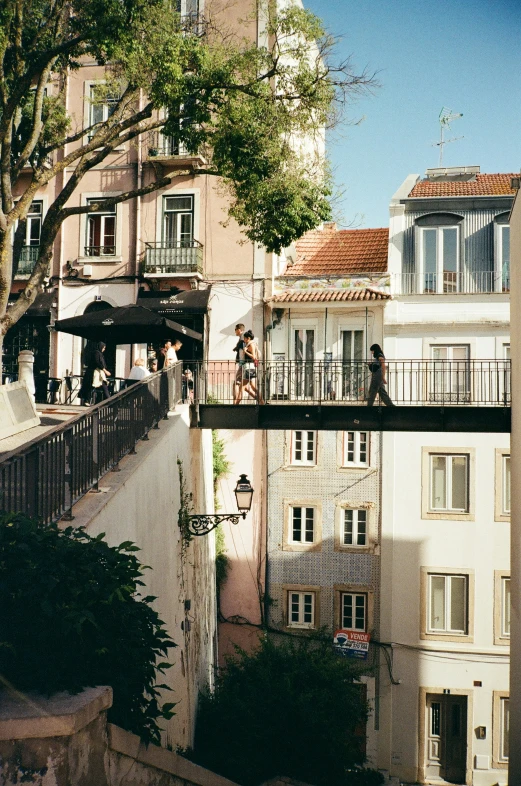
(99, 251)
(409, 382)
(46, 477)
(182, 256)
(28, 258)
(163, 146)
(467, 283)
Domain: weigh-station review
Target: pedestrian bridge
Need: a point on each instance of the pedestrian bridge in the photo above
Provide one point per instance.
(429, 395)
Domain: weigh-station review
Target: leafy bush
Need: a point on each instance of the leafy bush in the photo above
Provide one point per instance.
(291, 708)
(70, 617)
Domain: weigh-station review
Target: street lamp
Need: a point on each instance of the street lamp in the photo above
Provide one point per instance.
(203, 523)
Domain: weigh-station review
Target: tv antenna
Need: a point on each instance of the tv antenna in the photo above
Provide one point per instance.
(446, 117)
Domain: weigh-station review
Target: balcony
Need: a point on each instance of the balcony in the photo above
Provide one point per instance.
(27, 261)
(447, 283)
(182, 258)
(167, 150)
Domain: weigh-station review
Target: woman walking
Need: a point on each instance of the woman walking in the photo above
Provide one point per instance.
(249, 369)
(378, 370)
(95, 377)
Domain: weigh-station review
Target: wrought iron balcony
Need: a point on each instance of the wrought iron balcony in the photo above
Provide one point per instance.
(28, 258)
(165, 148)
(184, 257)
(409, 382)
(447, 283)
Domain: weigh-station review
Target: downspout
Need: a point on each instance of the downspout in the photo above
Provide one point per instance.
(325, 334)
(366, 334)
(139, 183)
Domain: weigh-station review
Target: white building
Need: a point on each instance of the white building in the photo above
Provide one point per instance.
(445, 591)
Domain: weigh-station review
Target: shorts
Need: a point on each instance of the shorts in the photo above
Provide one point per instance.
(250, 373)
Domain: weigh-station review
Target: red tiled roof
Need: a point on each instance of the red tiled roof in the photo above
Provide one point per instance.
(329, 295)
(343, 252)
(483, 185)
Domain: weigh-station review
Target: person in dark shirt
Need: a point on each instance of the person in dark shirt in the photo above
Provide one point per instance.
(378, 370)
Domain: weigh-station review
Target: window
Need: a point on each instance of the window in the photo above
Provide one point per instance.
(506, 486)
(102, 103)
(178, 221)
(304, 355)
(303, 447)
(101, 230)
(503, 267)
(447, 604)
(301, 609)
(34, 224)
(440, 259)
(355, 527)
(449, 378)
(500, 729)
(449, 485)
(302, 525)
(355, 448)
(353, 370)
(501, 607)
(505, 606)
(353, 611)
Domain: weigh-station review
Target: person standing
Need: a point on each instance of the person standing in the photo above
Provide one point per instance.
(168, 354)
(95, 376)
(378, 370)
(239, 360)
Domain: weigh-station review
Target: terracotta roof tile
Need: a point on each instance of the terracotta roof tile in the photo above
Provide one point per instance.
(329, 296)
(332, 252)
(483, 185)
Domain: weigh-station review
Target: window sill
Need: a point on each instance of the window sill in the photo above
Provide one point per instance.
(108, 260)
(447, 515)
(299, 466)
(461, 637)
(371, 549)
(302, 547)
(354, 467)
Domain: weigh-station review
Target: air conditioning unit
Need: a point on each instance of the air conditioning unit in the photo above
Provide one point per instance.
(87, 270)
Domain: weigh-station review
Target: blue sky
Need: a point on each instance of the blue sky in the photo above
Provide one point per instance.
(461, 54)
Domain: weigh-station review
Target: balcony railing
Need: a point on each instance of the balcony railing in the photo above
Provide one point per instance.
(99, 251)
(181, 257)
(161, 146)
(28, 258)
(48, 476)
(409, 382)
(468, 283)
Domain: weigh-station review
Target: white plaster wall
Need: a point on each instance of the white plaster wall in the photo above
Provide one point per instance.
(141, 504)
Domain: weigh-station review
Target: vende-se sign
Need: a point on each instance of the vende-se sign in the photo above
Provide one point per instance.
(352, 643)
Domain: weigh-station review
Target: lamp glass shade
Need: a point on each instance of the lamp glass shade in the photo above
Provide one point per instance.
(243, 494)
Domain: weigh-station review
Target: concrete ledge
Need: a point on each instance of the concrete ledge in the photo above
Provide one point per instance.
(130, 745)
(30, 715)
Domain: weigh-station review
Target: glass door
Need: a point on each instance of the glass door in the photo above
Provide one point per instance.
(450, 377)
(352, 364)
(304, 356)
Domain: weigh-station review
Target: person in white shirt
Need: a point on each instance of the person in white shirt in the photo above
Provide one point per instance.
(138, 371)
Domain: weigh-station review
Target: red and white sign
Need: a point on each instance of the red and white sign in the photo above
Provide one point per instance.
(352, 643)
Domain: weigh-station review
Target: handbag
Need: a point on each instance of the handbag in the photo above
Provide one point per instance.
(98, 378)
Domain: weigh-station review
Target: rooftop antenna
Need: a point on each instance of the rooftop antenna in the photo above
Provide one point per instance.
(446, 116)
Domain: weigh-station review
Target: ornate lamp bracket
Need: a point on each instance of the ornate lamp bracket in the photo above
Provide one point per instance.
(204, 523)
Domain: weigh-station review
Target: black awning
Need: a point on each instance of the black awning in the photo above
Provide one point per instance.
(189, 301)
(41, 306)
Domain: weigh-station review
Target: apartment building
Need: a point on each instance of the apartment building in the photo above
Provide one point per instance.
(445, 580)
(323, 549)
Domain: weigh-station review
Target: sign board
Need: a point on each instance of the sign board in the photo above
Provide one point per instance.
(17, 410)
(352, 643)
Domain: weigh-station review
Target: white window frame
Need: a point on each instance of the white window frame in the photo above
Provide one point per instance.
(504, 711)
(358, 516)
(439, 280)
(356, 444)
(354, 596)
(303, 528)
(84, 236)
(446, 370)
(505, 607)
(306, 439)
(90, 86)
(178, 217)
(448, 483)
(499, 230)
(448, 630)
(300, 595)
(110, 213)
(506, 486)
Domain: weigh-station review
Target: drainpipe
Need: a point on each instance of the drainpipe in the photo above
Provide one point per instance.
(139, 183)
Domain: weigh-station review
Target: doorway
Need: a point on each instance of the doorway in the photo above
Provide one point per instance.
(304, 356)
(446, 738)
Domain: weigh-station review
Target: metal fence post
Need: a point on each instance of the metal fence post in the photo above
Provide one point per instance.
(68, 475)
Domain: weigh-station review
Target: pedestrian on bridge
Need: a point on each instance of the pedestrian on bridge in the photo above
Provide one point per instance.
(378, 370)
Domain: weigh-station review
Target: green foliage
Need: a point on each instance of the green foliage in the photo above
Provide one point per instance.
(71, 616)
(291, 708)
(221, 467)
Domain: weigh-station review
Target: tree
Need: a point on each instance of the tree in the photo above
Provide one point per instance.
(242, 104)
(290, 708)
(71, 617)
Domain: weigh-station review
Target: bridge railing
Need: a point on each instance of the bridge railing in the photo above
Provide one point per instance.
(409, 382)
(47, 476)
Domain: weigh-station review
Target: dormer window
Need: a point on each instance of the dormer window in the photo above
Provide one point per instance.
(439, 261)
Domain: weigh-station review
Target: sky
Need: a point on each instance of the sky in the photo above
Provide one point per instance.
(463, 55)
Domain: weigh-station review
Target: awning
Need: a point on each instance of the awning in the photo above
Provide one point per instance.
(41, 306)
(189, 301)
